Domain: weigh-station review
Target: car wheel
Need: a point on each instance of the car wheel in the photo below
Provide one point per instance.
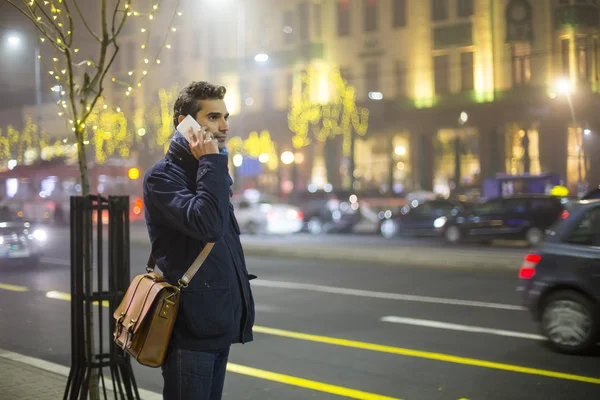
(389, 228)
(315, 226)
(453, 234)
(534, 236)
(570, 322)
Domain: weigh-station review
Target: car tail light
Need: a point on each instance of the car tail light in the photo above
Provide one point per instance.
(300, 215)
(271, 215)
(565, 214)
(527, 270)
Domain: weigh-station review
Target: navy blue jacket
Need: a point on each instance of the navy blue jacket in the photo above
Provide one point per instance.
(187, 205)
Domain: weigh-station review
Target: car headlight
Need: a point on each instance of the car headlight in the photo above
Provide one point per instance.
(440, 222)
(1, 239)
(40, 235)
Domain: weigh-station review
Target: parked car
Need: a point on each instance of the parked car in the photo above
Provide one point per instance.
(560, 281)
(519, 217)
(328, 212)
(421, 219)
(20, 241)
(261, 214)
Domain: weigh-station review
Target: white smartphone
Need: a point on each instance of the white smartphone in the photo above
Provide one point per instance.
(185, 125)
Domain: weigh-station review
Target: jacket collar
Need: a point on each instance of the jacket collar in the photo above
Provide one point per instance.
(179, 152)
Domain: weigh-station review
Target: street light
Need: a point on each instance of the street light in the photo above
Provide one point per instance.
(261, 57)
(287, 157)
(563, 86)
(13, 41)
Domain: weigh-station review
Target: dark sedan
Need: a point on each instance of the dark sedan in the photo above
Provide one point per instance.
(420, 219)
(519, 217)
(560, 280)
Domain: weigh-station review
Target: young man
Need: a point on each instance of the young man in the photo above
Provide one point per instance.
(186, 196)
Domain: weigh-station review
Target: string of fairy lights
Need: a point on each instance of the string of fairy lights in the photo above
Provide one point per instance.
(54, 20)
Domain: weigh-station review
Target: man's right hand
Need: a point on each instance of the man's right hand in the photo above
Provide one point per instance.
(203, 142)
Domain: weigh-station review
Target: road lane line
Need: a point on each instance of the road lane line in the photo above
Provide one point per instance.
(67, 297)
(425, 355)
(382, 295)
(13, 288)
(54, 261)
(358, 292)
(305, 383)
(415, 353)
(458, 327)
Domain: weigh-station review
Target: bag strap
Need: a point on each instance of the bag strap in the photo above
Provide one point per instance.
(189, 274)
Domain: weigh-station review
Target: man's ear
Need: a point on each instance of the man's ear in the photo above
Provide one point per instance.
(180, 118)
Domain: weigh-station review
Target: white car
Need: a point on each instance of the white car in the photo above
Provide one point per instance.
(20, 242)
(265, 215)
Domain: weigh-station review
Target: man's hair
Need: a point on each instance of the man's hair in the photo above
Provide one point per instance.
(188, 101)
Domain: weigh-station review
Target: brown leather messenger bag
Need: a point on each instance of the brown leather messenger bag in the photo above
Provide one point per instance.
(146, 315)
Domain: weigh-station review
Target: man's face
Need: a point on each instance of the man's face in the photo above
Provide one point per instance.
(214, 115)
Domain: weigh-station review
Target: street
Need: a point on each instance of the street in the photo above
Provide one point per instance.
(326, 329)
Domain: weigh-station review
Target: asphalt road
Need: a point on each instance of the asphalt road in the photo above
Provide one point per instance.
(401, 332)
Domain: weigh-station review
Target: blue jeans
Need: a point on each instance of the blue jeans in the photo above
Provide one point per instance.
(194, 375)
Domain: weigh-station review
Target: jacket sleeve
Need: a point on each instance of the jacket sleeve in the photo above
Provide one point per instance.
(201, 215)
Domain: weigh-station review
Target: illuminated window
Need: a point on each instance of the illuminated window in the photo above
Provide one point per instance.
(399, 13)
(522, 151)
(370, 8)
(304, 20)
(566, 60)
(372, 77)
(584, 59)
(288, 26)
(521, 63)
(439, 10)
(446, 149)
(466, 71)
(465, 8)
(441, 74)
(343, 17)
(401, 86)
(576, 165)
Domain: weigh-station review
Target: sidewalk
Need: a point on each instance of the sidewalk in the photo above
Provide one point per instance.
(28, 378)
(422, 255)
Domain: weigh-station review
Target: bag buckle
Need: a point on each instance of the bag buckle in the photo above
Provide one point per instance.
(182, 285)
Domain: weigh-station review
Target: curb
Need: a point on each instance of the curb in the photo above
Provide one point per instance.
(63, 371)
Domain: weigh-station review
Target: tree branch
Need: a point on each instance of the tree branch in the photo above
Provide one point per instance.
(71, 27)
(38, 25)
(85, 23)
(49, 18)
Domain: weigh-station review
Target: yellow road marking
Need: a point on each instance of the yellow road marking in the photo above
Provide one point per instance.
(396, 350)
(13, 288)
(305, 383)
(67, 297)
(425, 354)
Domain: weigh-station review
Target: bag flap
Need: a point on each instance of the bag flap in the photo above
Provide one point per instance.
(139, 283)
(155, 290)
(140, 297)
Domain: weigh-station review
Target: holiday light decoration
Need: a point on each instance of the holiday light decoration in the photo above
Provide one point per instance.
(259, 146)
(324, 104)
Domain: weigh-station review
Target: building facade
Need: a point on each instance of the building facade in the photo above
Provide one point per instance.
(457, 90)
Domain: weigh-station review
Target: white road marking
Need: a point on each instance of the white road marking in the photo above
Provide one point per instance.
(457, 327)
(356, 292)
(382, 295)
(54, 261)
(64, 371)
